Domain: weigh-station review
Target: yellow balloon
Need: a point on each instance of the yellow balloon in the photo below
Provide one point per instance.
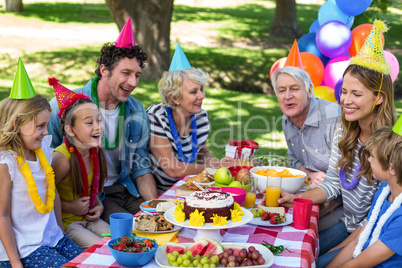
(325, 93)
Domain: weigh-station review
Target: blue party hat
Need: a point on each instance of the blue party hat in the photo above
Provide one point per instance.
(179, 60)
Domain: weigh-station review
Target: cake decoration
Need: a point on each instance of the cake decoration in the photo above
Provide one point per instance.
(178, 213)
(235, 215)
(197, 218)
(219, 220)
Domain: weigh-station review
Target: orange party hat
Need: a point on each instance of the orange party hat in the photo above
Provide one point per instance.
(294, 58)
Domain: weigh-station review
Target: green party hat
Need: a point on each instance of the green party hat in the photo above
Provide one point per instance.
(22, 86)
(398, 126)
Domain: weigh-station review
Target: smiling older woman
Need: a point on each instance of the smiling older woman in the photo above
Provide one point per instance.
(180, 127)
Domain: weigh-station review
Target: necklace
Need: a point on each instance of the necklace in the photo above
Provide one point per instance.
(373, 219)
(175, 135)
(122, 112)
(84, 176)
(355, 180)
(33, 189)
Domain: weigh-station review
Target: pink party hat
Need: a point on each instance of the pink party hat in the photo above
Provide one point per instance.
(126, 37)
(65, 97)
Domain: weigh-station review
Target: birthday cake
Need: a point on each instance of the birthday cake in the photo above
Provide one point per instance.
(219, 203)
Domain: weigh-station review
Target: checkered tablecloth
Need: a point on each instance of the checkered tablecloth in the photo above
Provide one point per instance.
(302, 244)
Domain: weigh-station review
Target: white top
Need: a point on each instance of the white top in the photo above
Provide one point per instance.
(209, 200)
(31, 228)
(110, 118)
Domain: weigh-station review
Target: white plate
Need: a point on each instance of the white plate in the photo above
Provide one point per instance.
(248, 216)
(175, 228)
(160, 255)
(258, 221)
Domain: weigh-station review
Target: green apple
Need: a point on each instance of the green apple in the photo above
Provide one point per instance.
(236, 184)
(223, 176)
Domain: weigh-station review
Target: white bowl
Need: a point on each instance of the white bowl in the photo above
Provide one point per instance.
(290, 185)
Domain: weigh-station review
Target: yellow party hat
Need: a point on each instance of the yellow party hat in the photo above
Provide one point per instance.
(371, 55)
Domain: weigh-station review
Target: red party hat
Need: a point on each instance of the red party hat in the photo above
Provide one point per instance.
(294, 58)
(65, 97)
(126, 37)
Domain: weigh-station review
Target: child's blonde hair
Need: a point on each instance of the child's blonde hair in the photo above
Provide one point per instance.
(16, 113)
(386, 145)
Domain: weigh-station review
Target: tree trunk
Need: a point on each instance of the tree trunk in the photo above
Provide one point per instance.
(284, 24)
(14, 6)
(151, 26)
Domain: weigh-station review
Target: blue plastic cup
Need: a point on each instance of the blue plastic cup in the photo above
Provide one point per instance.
(121, 224)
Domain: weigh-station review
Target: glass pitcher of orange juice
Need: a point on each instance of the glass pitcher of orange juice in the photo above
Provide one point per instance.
(273, 192)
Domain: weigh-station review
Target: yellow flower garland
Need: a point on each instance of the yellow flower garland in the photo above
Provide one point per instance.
(33, 189)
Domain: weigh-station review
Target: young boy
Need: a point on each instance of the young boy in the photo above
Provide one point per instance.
(378, 244)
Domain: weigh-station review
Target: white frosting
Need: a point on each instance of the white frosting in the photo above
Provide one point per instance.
(209, 200)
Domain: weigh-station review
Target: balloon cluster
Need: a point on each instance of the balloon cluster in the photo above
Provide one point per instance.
(327, 48)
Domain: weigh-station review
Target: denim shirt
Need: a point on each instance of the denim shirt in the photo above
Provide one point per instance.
(133, 150)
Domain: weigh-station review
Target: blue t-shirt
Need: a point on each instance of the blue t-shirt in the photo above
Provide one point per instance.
(391, 232)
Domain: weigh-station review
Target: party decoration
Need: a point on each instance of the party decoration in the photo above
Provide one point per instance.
(313, 27)
(393, 63)
(179, 60)
(65, 97)
(307, 44)
(338, 90)
(329, 11)
(397, 128)
(334, 70)
(313, 66)
(371, 55)
(359, 35)
(333, 39)
(277, 65)
(353, 8)
(294, 57)
(22, 86)
(126, 37)
(325, 93)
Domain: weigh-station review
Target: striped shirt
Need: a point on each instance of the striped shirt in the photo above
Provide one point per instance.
(160, 127)
(356, 202)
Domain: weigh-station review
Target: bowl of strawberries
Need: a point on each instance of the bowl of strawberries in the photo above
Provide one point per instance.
(133, 251)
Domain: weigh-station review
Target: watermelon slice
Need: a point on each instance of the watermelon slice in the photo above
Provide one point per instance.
(198, 247)
(213, 248)
(170, 247)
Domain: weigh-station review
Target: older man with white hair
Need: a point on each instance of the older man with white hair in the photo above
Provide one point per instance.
(308, 124)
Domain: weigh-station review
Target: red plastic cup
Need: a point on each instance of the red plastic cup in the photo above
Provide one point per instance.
(301, 213)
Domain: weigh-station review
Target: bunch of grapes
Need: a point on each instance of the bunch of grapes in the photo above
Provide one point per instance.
(257, 213)
(245, 257)
(187, 260)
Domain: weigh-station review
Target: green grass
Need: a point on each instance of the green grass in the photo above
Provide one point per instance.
(237, 73)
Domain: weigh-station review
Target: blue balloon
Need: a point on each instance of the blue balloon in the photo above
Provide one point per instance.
(353, 8)
(330, 11)
(333, 39)
(307, 44)
(338, 90)
(314, 27)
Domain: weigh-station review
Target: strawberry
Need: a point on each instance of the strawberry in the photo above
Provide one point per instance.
(265, 216)
(136, 245)
(273, 215)
(276, 219)
(148, 243)
(273, 220)
(121, 247)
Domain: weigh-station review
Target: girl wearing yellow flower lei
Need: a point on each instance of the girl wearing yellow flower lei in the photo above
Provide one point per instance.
(30, 235)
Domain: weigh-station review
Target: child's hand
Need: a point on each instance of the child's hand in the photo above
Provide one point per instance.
(94, 213)
(80, 205)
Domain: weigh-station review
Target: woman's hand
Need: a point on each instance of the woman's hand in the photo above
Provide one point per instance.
(286, 200)
(94, 213)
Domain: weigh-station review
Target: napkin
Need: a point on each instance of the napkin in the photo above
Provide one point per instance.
(161, 239)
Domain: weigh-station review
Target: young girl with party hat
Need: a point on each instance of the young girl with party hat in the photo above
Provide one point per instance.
(80, 166)
(29, 232)
(378, 244)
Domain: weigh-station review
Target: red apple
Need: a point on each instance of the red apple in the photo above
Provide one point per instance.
(243, 176)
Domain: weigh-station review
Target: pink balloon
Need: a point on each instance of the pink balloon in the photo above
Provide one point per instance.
(393, 63)
(334, 70)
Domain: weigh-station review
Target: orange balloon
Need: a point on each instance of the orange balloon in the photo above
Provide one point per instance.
(280, 63)
(325, 93)
(359, 36)
(313, 66)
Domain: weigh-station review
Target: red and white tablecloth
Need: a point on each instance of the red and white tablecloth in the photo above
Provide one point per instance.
(303, 244)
